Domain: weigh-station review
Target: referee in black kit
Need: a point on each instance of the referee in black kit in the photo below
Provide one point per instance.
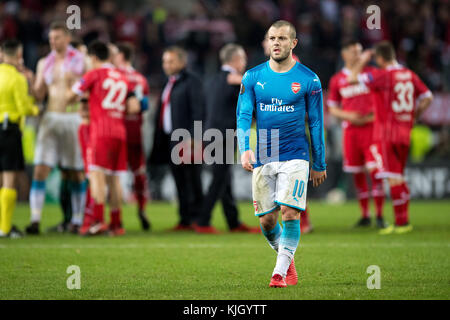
(221, 95)
(15, 103)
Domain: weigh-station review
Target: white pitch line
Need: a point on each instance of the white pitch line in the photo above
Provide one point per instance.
(220, 246)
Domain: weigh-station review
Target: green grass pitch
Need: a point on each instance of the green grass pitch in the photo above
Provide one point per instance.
(332, 261)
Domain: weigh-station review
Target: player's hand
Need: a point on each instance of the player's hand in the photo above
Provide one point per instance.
(366, 56)
(368, 118)
(356, 118)
(247, 158)
(317, 177)
(363, 60)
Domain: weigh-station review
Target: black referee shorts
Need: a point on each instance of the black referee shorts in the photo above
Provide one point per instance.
(11, 153)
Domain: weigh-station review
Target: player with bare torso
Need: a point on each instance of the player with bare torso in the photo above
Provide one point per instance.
(57, 141)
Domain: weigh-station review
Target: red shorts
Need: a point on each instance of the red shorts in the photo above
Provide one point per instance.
(136, 159)
(108, 155)
(83, 137)
(391, 159)
(356, 149)
(133, 125)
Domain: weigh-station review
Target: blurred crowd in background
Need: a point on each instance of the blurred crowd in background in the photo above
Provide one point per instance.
(419, 30)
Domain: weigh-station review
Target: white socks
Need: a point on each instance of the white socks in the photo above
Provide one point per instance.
(78, 198)
(37, 199)
(289, 239)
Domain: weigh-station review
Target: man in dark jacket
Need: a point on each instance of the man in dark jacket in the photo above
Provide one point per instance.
(180, 105)
(221, 94)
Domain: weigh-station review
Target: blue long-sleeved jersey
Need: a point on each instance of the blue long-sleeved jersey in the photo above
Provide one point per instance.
(280, 102)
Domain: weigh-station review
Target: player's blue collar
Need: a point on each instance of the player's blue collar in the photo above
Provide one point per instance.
(281, 73)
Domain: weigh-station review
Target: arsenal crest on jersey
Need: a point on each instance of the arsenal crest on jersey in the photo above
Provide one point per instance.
(295, 86)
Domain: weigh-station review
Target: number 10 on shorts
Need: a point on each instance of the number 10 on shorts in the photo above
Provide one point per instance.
(299, 188)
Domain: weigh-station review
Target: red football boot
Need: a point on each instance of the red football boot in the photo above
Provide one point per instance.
(244, 228)
(116, 231)
(97, 228)
(87, 223)
(277, 281)
(206, 229)
(88, 219)
(182, 227)
(84, 230)
(115, 225)
(291, 275)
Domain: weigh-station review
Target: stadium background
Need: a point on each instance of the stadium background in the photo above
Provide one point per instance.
(420, 31)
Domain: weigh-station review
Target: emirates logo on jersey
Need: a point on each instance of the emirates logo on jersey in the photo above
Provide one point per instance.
(295, 87)
(255, 205)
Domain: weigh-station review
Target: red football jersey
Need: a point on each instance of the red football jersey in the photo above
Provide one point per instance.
(133, 122)
(139, 85)
(351, 97)
(395, 91)
(108, 90)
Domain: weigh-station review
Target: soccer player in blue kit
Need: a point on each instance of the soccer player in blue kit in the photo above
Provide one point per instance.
(279, 93)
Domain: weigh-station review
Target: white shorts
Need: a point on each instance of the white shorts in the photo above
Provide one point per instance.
(57, 141)
(280, 183)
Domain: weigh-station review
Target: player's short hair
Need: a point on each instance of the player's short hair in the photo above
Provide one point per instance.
(385, 50)
(99, 49)
(10, 47)
(228, 51)
(180, 52)
(59, 25)
(284, 23)
(349, 43)
(126, 49)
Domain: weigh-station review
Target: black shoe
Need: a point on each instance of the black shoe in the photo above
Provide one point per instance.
(32, 228)
(381, 224)
(14, 233)
(145, 223)
(363, 222)
(59, 228)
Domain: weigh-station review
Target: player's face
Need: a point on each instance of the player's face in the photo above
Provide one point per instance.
(171, 63)
(116, 59)
(58, 39)
(82, 48)
(19, 54)
(280, 43)
(94, 61)
(89, 63)
(380, 62)
(351, 54)
(114, 55)
(18, 58)
(240, 59)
